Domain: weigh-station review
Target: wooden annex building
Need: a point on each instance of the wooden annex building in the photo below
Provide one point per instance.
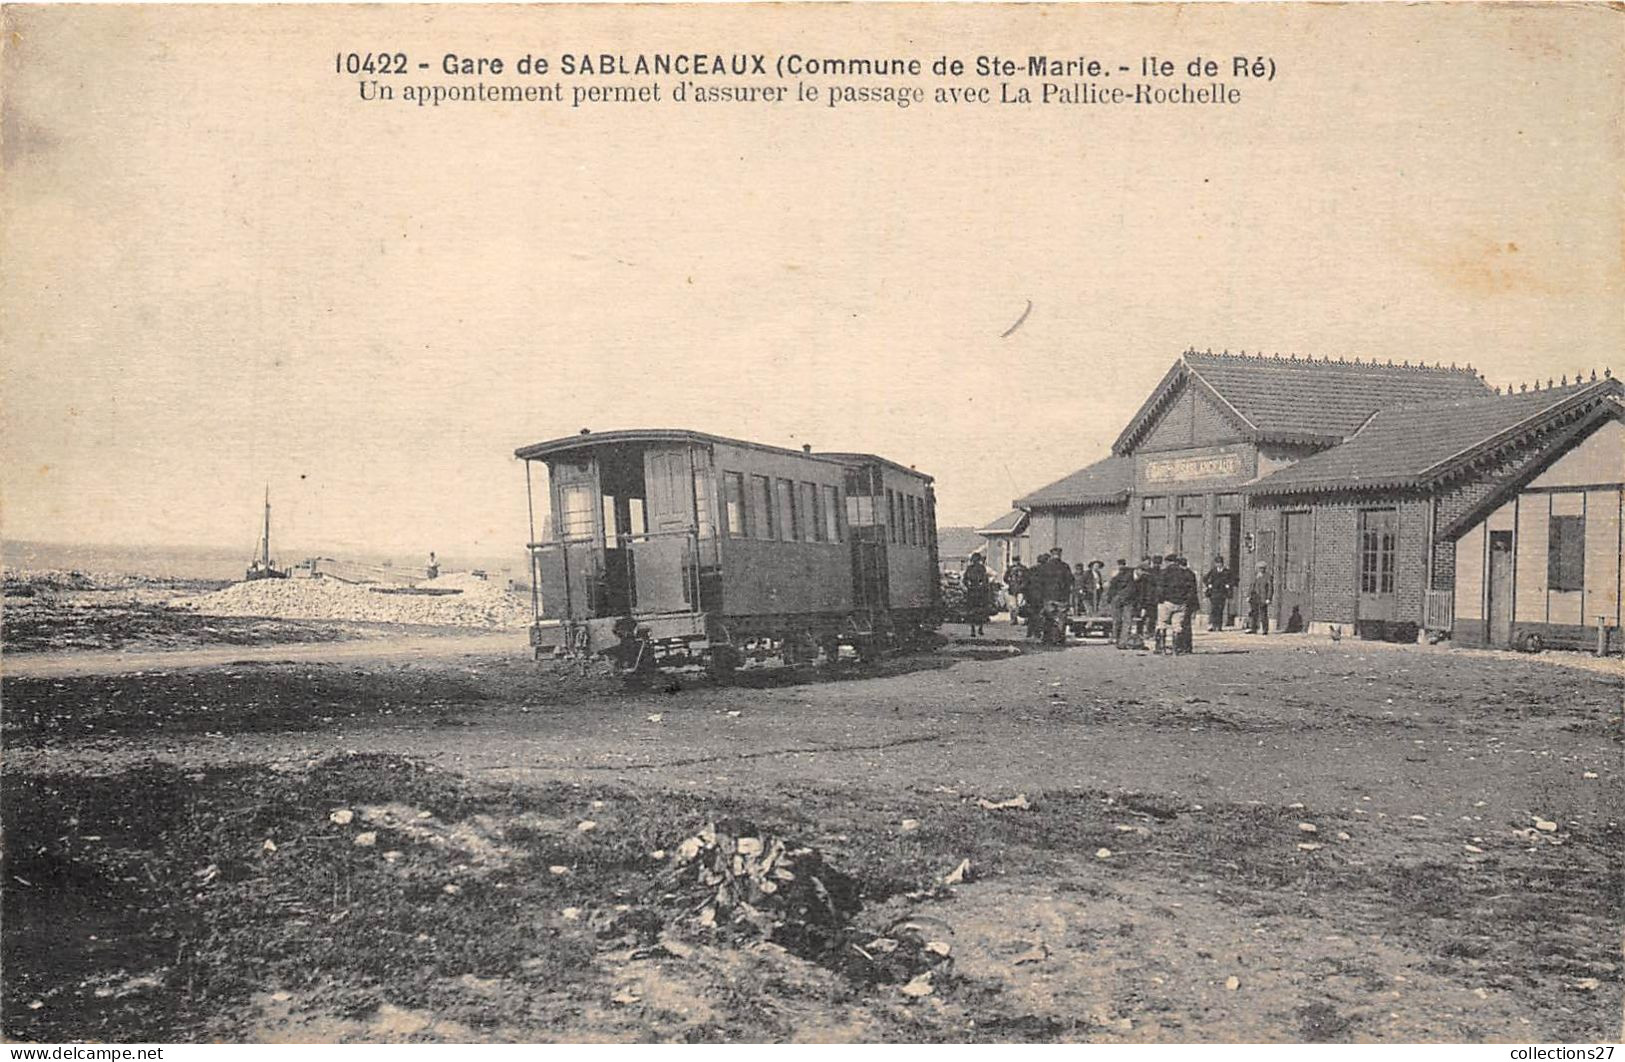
(1357, 484)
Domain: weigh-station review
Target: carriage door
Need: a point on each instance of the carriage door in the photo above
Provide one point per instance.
(1378, 543)
(1500, 610)
(866, 522)
(665, 562)
(1296, 546)
(572, 571)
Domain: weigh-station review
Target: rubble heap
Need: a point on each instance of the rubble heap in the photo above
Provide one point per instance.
(452, 602)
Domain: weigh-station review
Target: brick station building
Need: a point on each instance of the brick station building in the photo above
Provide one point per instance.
(1351, 481)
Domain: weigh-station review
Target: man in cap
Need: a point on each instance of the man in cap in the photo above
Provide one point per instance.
(1175, 590)
(1122, 597)
(1145, 585)
(1220, 584)
(1058, 583)
(1259, 597)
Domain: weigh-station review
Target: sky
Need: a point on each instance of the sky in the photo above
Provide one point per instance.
(226, 272)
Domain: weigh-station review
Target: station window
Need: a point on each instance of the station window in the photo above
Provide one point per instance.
(789, 526)
(1379, 539)
(761, 507)
(891, 515)
(1191, 503)
(1566, 553)
(575, 504)
(733, 503)
(1153, 505)
(1227, 502)
(812, 521)
(913, 520)
(832, 515)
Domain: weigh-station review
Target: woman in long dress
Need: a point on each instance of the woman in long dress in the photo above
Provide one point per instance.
(978, 594)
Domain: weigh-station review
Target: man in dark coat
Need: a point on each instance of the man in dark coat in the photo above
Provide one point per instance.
(1181, 598)
(1057, 595)
(1149, 594)
(1219, 584)
(1038, 584)
(1122, 596)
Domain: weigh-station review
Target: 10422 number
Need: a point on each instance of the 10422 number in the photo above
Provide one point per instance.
(369, 63)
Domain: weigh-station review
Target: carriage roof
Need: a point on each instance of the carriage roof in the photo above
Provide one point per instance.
(554, 447)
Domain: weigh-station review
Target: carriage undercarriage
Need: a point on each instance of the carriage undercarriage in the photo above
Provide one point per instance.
(721, 645)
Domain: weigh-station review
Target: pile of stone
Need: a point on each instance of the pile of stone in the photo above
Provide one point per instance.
(454, 601)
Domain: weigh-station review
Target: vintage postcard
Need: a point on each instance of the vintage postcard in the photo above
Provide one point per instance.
(905, 523)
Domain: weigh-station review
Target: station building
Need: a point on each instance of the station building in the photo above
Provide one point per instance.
(1355, 484)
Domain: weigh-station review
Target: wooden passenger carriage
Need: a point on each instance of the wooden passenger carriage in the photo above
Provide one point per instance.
(676, 547)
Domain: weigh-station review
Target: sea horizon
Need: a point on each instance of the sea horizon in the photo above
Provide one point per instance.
(182, 561)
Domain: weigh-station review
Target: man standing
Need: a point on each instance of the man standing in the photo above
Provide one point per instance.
(1259, 599)
(1057, 596)
(1015, 584)
(1190, 602)
(1032, 601)
(1148, 596)
(1121, 595)
(1176, 589)
(1094, 587)
(1219, 583)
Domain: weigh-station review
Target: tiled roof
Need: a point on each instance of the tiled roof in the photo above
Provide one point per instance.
(1011, 523)
(1418, 444)
(1103, 481)
(1302, 399)
(958, 543)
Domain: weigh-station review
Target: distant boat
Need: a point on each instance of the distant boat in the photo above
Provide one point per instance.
(261, 567)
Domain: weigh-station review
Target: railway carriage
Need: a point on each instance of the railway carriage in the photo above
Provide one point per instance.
(674, 547)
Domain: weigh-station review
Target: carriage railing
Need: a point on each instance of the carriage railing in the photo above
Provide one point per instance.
(662, 564)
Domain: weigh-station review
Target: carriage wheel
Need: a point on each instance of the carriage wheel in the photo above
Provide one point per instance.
(722, 661)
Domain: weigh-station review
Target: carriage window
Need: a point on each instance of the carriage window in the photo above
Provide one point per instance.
(1566, 553)
(789, 526)
(761, 507)
(812, 525)
(891, 515)
(576, 503)
(640, 522)
(832, 515)
(702, 504)
(733, 503)
(860, 510)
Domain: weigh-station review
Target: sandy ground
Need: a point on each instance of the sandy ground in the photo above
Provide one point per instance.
(392, 647)
(1428, 902)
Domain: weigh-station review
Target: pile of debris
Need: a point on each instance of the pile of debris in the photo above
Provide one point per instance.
(463, 603)
(730, 881)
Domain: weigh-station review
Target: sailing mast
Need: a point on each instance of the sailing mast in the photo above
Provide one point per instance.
(260, 567)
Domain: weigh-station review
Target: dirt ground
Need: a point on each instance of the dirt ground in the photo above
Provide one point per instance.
(1274, 839)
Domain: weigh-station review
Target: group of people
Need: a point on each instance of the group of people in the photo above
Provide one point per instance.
(1041, 594)
(1158, 598)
